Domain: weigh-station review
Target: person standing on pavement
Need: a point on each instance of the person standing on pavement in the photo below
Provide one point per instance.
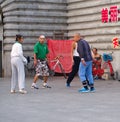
(76, 62)
(40, 62)
(85, 68)
(17, 65)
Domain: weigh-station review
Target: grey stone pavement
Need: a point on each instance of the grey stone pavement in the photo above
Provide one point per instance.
(60, 104)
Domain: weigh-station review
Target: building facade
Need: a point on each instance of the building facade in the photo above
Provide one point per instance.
(34, 17)
(84, 16)
(29, 18)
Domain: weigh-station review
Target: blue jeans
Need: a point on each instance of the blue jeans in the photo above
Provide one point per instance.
(85, 72)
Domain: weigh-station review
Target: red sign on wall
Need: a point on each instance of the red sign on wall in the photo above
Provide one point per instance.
(104, 14)
(115, 42)
(113, 14)
(110, 15)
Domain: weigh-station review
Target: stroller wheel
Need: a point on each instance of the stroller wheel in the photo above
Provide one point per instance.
(95, 77)
(113, 76)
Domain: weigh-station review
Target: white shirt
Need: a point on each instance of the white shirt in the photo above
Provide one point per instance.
(75, 53)
(18, 52)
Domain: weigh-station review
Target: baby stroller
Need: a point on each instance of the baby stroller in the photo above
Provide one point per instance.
(107, 64)
(98, 70)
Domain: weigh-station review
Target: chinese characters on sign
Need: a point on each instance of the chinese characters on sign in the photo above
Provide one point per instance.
(104, 14)
(110, 15)
(115, 42)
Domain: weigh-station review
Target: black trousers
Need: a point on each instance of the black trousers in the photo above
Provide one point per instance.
(75, 68)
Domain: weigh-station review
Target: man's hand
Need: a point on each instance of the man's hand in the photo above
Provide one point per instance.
(83, 62)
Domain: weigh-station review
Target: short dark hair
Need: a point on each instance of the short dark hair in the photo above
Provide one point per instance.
(18, 36)
(95, 49)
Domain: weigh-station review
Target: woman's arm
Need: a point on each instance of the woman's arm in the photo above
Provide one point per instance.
(20, 53)
(72, 50)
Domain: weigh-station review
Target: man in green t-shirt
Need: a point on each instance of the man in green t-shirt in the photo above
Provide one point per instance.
(40, 63)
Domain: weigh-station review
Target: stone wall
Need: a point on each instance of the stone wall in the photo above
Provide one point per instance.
(84, 16)
(1, 28)
(30, 18)
(34, 17)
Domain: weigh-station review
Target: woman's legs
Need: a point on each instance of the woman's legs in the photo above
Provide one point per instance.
(14, 77)
(21, 74)
(74, 70)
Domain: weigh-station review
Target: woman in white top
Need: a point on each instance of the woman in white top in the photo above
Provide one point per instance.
(76, 62)
(17, 65)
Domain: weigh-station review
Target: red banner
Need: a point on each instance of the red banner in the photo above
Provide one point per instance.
(57, 48)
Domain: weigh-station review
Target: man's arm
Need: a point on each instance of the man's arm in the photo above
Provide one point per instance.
(80, 50)
(35, 59)
(72, 50)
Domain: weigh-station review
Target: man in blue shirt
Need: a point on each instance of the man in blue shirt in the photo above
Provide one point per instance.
(85, 67)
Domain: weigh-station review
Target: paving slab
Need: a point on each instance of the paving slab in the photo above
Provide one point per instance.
(60, 104)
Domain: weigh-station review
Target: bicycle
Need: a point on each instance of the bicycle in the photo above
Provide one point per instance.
(57, 62)
(31, 69)
(99, 70)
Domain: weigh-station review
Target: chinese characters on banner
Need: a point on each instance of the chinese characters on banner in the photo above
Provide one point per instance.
(110, 15)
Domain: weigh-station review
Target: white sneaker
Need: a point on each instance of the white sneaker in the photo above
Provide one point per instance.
(22, 91)
(34, 87)
(12, 91)
(46, 86)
